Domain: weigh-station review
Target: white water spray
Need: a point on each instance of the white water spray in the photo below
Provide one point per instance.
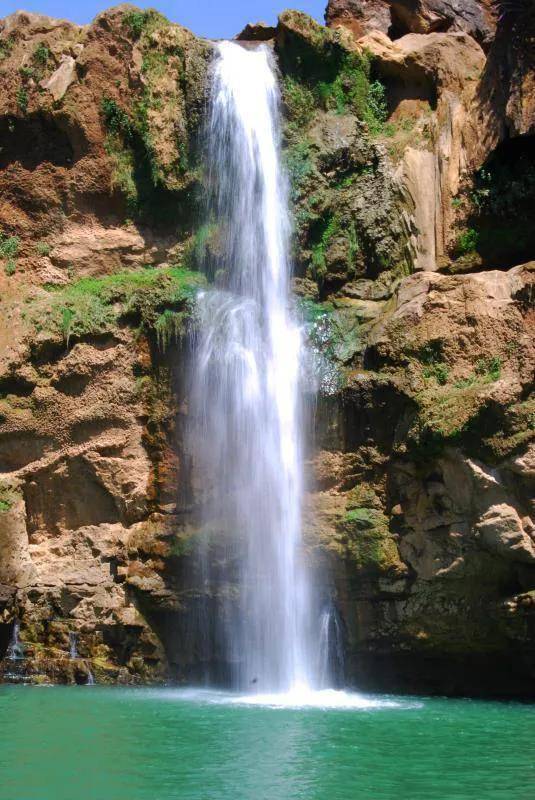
(246, 383)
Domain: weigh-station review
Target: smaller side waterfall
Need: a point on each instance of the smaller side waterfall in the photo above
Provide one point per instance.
(331, 648)
(15, 650)
(73, 650)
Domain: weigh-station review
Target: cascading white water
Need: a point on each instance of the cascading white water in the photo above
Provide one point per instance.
(15, 650)
(73, 650)
(246, 381)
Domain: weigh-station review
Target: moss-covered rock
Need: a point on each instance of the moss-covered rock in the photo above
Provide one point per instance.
(157, 300)
(346, 201)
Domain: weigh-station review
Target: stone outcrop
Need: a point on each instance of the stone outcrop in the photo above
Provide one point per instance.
(408, 142)
(425, 488)
(398, 17)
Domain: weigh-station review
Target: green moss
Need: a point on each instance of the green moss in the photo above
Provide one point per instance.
(22, 99)
(169, 326)
(319, 72)
(138, 173)
(431, 356)
(93, 306)
(330, 229)
(369, 542)
(195, 254)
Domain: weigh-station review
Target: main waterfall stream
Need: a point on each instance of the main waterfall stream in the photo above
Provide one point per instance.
(246, 382)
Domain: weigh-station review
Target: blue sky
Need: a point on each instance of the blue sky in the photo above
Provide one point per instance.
(213, 18)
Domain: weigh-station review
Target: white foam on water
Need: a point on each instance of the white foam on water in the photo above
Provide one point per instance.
(299, 698)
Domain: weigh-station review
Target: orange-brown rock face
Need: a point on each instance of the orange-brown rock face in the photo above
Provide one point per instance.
(473, 63)
(97, 128)
(398, 17)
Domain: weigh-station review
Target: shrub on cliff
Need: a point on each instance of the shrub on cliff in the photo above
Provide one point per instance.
(145, 298)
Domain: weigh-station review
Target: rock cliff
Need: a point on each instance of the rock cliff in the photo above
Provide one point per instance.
(409, 142)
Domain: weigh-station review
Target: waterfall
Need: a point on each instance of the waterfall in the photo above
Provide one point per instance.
(331, 649)
(15, 650)
(73, 650)
(246, 386)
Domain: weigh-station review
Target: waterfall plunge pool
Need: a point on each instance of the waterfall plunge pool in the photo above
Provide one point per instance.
(96, 743)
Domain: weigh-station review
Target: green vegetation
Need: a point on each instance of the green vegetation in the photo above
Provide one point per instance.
(158, 300)
(22, 99)
(6, 46)
(43, 248)
(139, 22)
(487, 370)
(299, 166)
(300, 102)
(123, 177)
(320, 73)
(439, 372)
(137, 170)
(467, 242)
(368, 539)
(120, 145)
(376, 110)
(431, 356)
(7, 499)
(353, 90)
(26, 72)
(195, 254)
(319, 264)
(135, 22)
(116, 120)
(41, 54)
(9, 248)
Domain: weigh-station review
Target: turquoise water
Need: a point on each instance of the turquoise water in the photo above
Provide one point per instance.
(91, 743)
